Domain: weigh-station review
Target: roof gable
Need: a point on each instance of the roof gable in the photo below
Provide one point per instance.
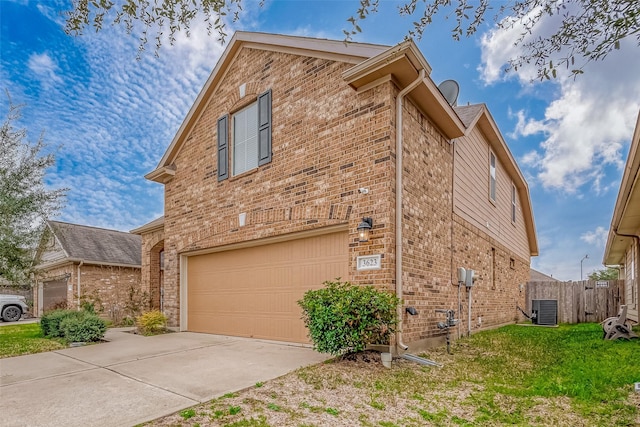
(478, 115)
(97, 245)
(352, 53)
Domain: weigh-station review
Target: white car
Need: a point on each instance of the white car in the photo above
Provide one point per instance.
(12, 307)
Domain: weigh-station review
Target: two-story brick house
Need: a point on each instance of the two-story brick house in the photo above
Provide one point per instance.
(290, 144)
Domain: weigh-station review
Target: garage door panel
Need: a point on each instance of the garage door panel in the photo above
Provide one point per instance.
(253, 292)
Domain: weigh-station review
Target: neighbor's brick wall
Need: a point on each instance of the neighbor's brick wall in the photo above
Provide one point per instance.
(328, 141)
(107, 286)
(494, 300)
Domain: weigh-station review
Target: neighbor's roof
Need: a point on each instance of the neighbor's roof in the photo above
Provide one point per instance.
(372, 64)
(98, 245)
(536, 276)
(626, 213)
(479, 115)
(156, 224)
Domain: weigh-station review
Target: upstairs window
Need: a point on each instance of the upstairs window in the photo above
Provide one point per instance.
(492, 176)
(514, 197)
(245, 139)
(250, 138)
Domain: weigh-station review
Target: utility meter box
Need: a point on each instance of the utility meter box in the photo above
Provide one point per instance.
(462, 274)
(469, 278)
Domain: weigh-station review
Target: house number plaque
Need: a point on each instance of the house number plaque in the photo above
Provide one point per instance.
(369, 262)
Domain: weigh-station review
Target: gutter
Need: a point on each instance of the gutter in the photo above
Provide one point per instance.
(399, 155)
(88, 262)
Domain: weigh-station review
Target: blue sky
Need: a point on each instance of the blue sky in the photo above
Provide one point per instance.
(109, 117)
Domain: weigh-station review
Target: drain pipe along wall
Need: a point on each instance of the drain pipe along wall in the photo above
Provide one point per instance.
(399, 155)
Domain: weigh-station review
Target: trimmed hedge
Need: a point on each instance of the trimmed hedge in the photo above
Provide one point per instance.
(50, 322)
(345, 318)
(73, 326)
(86, 327)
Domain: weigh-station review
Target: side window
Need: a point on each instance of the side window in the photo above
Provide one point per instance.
(492, 176)
(250, 138)
(514, 197)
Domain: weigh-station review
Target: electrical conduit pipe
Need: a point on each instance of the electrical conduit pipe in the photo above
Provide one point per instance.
(399, 293)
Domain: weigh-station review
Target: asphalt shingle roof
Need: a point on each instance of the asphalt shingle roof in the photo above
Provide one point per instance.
(468, 112)
(98, 244)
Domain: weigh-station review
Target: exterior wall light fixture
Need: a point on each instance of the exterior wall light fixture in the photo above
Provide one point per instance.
(364, 228)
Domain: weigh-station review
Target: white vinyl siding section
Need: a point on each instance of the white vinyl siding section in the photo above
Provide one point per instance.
(245, 139)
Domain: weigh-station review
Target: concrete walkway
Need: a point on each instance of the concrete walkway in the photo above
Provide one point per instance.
(132, 379)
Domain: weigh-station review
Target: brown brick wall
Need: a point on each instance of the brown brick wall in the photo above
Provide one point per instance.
(500, 285)
(428, 166)
(328, 141)
(152, 245)
(108, 287)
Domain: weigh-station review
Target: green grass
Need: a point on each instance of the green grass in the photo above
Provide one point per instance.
(17, 340)
(520, 364)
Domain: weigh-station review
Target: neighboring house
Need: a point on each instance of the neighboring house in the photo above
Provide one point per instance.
(77, 263)
(537, 276)
(624, 234)
(289, 145)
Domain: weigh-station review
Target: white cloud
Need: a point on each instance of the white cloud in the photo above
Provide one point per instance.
(597, 237)
(45, 68)
(585, 127)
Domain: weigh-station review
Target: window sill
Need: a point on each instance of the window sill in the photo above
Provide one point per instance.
(244, 174)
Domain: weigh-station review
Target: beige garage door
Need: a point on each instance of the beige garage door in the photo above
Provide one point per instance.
(252, 292)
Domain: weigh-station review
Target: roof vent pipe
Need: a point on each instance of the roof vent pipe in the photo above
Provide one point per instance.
(399, 105)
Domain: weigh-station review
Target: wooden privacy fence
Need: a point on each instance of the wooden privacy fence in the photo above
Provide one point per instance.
(579, 302)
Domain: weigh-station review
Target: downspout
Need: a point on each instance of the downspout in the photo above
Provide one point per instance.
(78, 279)
(399, 293)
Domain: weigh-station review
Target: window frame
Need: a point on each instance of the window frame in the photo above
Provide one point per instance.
(226, 130)
(234, 141)
(514, 203)
(493, 177)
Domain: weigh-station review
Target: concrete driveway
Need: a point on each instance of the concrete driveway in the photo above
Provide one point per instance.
(132, 379)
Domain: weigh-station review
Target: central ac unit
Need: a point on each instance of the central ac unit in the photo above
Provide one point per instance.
(544, 311)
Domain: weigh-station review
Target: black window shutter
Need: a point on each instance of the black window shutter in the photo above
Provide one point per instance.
(223, 148)
(264, 128)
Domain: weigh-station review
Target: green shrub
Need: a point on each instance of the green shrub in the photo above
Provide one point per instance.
(84, 327)
(50, 322)
(344, 318)
(151, 322)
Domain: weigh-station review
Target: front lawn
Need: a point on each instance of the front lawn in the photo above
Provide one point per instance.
(516, 375)
(26, 338)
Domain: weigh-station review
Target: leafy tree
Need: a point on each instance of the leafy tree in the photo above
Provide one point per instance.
(25, 202)
(608, 273)
(587, 30)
